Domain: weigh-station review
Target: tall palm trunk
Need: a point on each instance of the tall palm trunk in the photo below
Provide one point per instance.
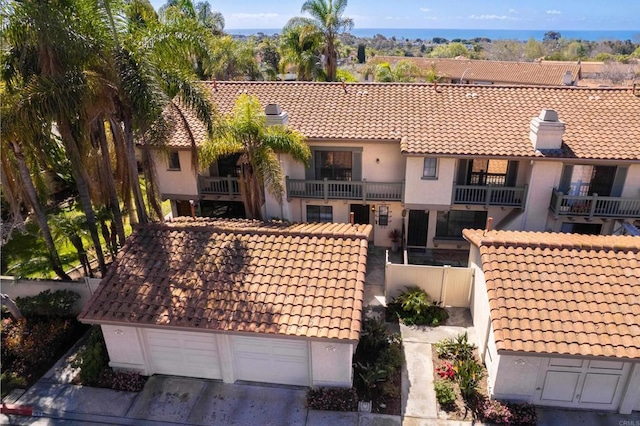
(82, 183)
(113, 194)
(130, 154)
(331, 59)
(41, 217)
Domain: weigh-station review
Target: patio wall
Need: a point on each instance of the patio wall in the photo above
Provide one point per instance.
(448, 285)
(23, 287)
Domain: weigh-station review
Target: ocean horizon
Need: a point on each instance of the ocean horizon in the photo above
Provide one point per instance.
(468, 34)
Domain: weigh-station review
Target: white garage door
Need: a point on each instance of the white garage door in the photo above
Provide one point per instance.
(181, 353)
(581, 383)
(283, 361)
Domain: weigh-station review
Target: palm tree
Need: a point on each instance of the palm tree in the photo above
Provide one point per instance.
(51, 45)
(245, 132)
(73, 228)
(326, 16)
(13, 135)
(404, 71)
(300, 45)
(210, 19)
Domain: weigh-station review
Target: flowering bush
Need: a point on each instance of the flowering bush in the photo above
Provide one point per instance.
(505, 413)
(446, 371)
(122, 380)
(332, 399)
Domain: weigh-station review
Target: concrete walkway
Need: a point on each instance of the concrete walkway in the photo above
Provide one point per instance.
(418, 395)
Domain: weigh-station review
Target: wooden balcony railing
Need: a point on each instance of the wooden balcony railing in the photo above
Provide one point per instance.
(219, 186)
(345, 190)
(505, 196)
(594, 206)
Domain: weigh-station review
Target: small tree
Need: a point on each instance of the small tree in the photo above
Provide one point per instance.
(362, 57)
(245, 132)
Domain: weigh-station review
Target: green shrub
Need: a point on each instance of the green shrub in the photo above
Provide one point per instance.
(92, 359)
(414, 307)
(458, 348)
(48, 304)
(469, 373)
(368, 376)
(332, 399)
(374, 338)
(445, 394)
(30, 346)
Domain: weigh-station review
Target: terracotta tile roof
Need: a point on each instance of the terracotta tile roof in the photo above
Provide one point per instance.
(501, 72)
(240, 276)
(454, 120)
(566, 294)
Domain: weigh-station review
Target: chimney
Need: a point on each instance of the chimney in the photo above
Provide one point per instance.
(546, 131)
(276, 116)
(567, 78)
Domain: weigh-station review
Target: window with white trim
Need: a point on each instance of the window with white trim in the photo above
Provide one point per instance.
(174, 160)
(430, 168)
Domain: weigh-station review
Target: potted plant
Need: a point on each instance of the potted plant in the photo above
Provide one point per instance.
(394, 235)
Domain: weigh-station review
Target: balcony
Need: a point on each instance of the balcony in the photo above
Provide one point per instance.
(220, 186)
(503, 196)
(345, 190)
(594, 206)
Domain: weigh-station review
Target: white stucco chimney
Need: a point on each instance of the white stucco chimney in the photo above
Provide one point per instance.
(567, 78)
(546, 131)
(276, 116)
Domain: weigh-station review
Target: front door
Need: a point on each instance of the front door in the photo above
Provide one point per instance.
(417, 232)
(361, 213)
(602, 180)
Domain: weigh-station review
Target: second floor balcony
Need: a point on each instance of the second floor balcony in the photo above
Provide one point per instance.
(219, 186)
(594, 206)
(345, 190)
(501, 196)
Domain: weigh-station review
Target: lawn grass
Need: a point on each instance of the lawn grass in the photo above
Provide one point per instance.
(25, 255)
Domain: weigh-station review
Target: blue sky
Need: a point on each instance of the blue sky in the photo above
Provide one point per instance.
(471, 14)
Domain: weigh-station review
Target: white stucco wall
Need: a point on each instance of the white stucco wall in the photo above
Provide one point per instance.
(389, 168)
(545, 175)
(183, 181)
(479, 306)
(125, 348)
(515, 377)
(632, 183)
(331, 363)
(429, 193)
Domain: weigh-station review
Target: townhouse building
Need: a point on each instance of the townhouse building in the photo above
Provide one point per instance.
(429, 160)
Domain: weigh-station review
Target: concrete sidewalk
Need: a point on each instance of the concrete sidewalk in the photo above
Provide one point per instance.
(418, 396)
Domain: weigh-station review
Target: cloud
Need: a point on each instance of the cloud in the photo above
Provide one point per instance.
(255, 15)
(425, 9)
(493, 18)
(553, 12)
(513, 11)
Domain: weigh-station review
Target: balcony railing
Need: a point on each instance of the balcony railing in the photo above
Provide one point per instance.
(349, 190)
(505, 196)
(594, 206)
(219, 186)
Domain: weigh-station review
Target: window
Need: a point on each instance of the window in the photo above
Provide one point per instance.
(430, 168)
(334, 165)
(174, 160)
(450, 224)
(319, 214)
(383, 215)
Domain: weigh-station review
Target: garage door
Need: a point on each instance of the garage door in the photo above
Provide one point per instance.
(269, 360)
(581, 383)
(181, 353)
